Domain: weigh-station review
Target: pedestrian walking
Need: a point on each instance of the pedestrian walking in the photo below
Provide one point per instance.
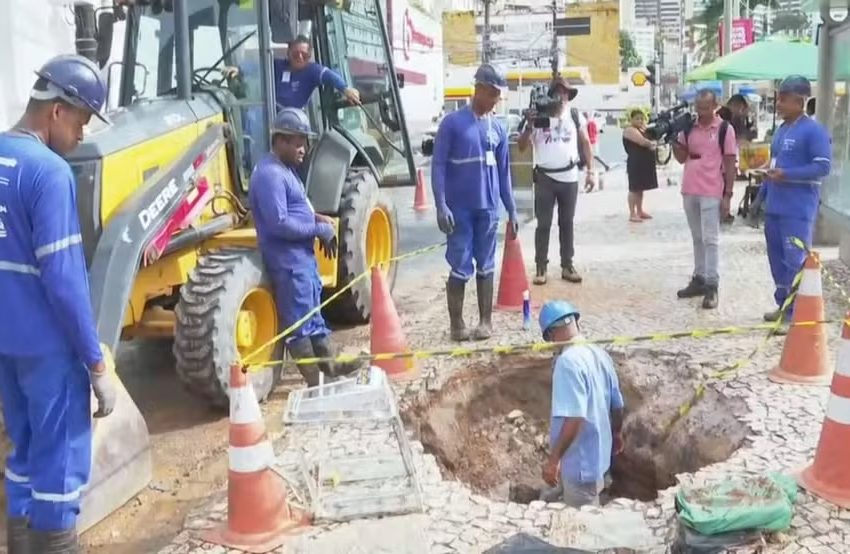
(801, 156)
(50, 355)
(470, 172)
(287, 227)
(641, 165)
(587, 412)
(709, 153)
(560, 150)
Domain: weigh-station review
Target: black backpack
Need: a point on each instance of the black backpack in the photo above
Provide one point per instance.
(721, 135)
(582, 163)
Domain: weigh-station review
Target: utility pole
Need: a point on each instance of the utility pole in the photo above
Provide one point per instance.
(659, 57)
(485, 41)
(554, 52)
(728, 7)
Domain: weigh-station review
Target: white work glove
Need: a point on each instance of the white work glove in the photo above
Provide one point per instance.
(102, 384)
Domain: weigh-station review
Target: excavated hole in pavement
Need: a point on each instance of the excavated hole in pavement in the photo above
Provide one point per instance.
(488, 425)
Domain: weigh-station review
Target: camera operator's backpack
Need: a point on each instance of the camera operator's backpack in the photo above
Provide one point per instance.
(721, 135)
(582, 163)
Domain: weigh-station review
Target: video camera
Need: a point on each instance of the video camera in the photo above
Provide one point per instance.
(543, 104)
(666, 125)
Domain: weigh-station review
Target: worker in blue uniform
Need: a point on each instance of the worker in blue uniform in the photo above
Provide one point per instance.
(296, 77)
(801, 155)
(287, 227)
(50, 356)
(470, 173)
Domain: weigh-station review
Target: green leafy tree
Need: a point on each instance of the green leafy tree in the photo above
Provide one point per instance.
(791, 22)
(707, 23)
(628, 54)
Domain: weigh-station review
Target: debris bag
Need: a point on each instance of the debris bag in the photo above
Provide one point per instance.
(763, 503)
(689, 541)
(523, 543)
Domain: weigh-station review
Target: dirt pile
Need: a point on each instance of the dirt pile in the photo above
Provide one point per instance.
(488, 426)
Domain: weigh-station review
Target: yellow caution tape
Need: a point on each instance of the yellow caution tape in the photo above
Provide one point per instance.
(292, 328)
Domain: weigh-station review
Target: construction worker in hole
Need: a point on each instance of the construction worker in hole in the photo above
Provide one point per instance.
(50, 356)
(287, 226)
(801, 156)
(470, 173)
(587, 412)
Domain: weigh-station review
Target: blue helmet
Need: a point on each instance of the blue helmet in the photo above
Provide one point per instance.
(554, 311)
(292, 121)
(74, 79)
(487, 74)
(796, 84)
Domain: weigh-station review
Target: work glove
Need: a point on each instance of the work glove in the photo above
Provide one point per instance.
(445, 220)
(513, 227)
(102, 384)
(327, 240)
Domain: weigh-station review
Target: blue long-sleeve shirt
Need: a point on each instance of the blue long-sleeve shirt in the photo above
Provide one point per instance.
(293, 88)
(285, 220)
(461, 178)
(45, 294)
(803, 151)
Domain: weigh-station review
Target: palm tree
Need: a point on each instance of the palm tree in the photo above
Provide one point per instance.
(709, 20)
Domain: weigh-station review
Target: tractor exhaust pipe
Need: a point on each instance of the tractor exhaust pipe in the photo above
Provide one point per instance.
(86, 30)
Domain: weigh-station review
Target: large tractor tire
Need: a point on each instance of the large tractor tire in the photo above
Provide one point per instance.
(226, 310)
(368, 231)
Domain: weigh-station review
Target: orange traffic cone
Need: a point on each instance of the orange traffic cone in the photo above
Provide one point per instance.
(512, 280)
(258, 516)
(804, 356)
(829, 475)
(386, 333)
(420, 198)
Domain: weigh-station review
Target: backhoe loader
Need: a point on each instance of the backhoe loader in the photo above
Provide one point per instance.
(162, 192)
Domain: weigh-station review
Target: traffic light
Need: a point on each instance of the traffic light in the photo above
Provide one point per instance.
(650, 73)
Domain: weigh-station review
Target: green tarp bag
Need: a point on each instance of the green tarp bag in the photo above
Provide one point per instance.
(750, 503)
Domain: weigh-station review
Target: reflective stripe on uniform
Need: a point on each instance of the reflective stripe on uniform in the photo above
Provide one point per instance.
(57, 497)
(58, 245)
(14, 477)
(19, 268)
(461, 161)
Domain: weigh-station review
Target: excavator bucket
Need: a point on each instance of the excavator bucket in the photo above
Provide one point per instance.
(121, 459)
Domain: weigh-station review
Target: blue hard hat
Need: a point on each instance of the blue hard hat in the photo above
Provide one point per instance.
(487, 74)
(554, 311)
(796, 84)
(292, 121)
(74, 79)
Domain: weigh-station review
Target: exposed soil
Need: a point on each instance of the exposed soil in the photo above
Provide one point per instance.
(488, 426)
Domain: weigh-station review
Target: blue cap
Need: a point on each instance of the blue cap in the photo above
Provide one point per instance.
(487, 74)
(796, 84)
(75, 80)
(554, 311)
(292, 121)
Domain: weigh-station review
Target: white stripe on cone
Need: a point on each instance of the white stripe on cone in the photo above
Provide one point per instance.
(250, 459)
(810, 284)
(838, 409)
(244, 407)
(842, 366)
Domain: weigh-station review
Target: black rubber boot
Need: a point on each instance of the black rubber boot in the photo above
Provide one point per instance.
(485, 308)
(454, 298)
(17, 535)
(709, 301)
(303, 348)
(54, 542)
(695, 288)
(540, 277)
(324, 349)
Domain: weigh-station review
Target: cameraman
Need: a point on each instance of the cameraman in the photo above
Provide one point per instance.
(561, 148)
(708, 151)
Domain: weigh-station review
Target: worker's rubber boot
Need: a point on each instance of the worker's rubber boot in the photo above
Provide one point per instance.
(303, 348)
(569, 273)
(485, 308)
(454, 297)
(695, 288)
(540, 276)
(323, 348)
(709, 301)
(54, 542)
(17, 535)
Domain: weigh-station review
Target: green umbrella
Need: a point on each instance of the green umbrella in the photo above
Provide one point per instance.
(762, 61)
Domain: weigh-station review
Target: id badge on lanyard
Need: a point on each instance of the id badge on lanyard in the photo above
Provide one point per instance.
(490, 156)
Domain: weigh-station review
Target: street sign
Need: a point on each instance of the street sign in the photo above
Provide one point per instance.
(572, 26)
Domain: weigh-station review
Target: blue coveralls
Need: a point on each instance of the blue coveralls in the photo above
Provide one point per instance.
(293, 88)
(286, 229)
(48, 338)
(469, 173)
(803, 151)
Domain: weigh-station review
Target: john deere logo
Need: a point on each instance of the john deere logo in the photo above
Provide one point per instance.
(639, 78)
